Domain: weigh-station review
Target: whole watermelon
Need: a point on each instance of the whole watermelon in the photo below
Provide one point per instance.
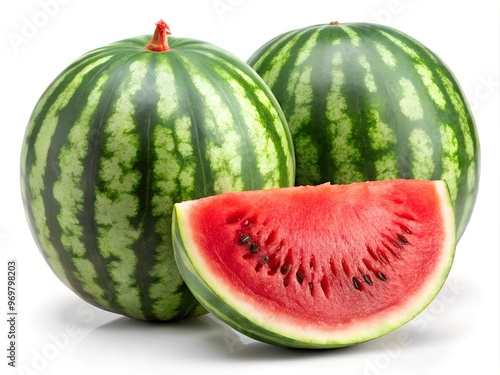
(368, 102)
(120, 136)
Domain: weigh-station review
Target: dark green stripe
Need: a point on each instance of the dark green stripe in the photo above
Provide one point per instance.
(318, 127)
(192, 106)
(145, 119)
(118, 75)
(280, 88)
(358, 101)
(252, 179)
(267, 118)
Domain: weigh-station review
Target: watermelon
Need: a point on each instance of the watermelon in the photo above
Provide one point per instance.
(122, 134)
(317, 266)
(368, 102)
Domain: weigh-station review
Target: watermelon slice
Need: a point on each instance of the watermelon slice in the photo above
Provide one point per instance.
(317, 266)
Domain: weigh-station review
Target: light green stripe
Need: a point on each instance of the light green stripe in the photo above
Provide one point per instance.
(303, 97)
(469, 202)
(383, 139)
(369, 79)
(423, 71)
(306, 150)
(428, 80)
(307, 159)
(460, 107)
(165, 172)
(40, 105)
(69, 194)
(345, 154)
(422, 150)
(406, 49)
(465, 126)
(353, 35)
(278, 124)
(306, 49)
(302, 94)
(266, 151)
(183, 136)
(225, 162)
(167, 168)
(450, 160)
(117, 202)
(278, 60)
(41, 149)
(386, 55)
(296, 83)
(410, 102)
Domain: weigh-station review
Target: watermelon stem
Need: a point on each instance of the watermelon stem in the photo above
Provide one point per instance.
(159, 41)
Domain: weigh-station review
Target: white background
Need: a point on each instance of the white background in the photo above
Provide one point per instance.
(60, 334)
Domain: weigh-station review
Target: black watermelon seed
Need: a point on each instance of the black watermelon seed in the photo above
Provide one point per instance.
(265, 259)
(254, 248)
(367, 279)
(300, 277)
(381, 276)
(402, 239)
(285, 268)
(355, 282)
(244, 240)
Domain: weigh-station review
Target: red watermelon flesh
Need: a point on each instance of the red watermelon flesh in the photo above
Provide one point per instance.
(318, 266)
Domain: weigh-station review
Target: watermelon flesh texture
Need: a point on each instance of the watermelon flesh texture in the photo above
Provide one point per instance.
(317, 267)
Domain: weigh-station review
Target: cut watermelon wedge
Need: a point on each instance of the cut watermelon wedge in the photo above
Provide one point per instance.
(317, 266)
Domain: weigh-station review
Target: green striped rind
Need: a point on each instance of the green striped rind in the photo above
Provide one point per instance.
(367, 102)
(119, 137)
(212, 301)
